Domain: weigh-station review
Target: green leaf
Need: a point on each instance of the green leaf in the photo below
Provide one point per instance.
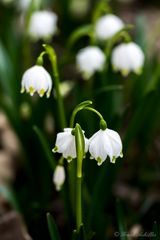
(54, 234)
(121, 223)
(109, 88)
(6, 72)
(45, 147)
(155, 231)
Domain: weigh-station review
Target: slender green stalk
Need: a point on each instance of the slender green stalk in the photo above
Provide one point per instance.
(78, 202)
(80, 145)
(78, 108)
(52, 56)
(95, 111)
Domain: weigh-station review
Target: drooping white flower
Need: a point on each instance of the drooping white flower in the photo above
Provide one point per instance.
(43, 25)
(105, 143)
(107, 26)
(59, 177)
(128, 57)
(89, 60)
(36, 79)
(65, 144)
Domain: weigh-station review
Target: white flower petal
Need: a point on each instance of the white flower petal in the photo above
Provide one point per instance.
(107, 26)
(36, 79)
(43, 24)
(105, 143)
(89, 60)
(127, 57)
(65, 144)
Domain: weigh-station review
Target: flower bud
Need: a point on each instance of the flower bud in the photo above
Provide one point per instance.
(59, 177)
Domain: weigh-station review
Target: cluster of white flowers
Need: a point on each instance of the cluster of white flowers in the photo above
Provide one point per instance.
(43, 25)
(102, 144)
(125, 58)
(36, 79)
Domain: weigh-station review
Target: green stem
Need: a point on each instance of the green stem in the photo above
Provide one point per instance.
(79, 202)
(52, 56)
(95, 111)
(80, 146)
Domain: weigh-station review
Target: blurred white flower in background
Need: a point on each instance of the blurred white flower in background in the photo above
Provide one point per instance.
(23, 5)
(79, 8)
(65, 88)
(59, 177)
(105, 143)
(65, 144)
(128, 57)
(107, 26)
(36, 79)
(89, 60)
(43, 25)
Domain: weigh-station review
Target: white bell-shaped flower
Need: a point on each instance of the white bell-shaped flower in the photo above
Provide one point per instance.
(128, 57)
(59, 177)
(89, 60)
(43, 25)
(105, 143)
(65, 144)
(36, 79)
(107, 26)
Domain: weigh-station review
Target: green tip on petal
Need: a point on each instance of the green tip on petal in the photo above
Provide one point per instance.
(138, 71)
(31, 90)
(22, 90)
(69, 159)
(121, 154)
(48, 94)
(55, 149)
(113, 160)
(41, 92)
(99, 161)
(125, 72)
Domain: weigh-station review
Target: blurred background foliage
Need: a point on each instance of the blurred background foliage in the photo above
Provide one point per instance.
(130, 105)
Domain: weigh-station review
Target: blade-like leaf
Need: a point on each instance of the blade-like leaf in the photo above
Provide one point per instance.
(121, 223)
(45, 147)
(54, 234)
(156, 234)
